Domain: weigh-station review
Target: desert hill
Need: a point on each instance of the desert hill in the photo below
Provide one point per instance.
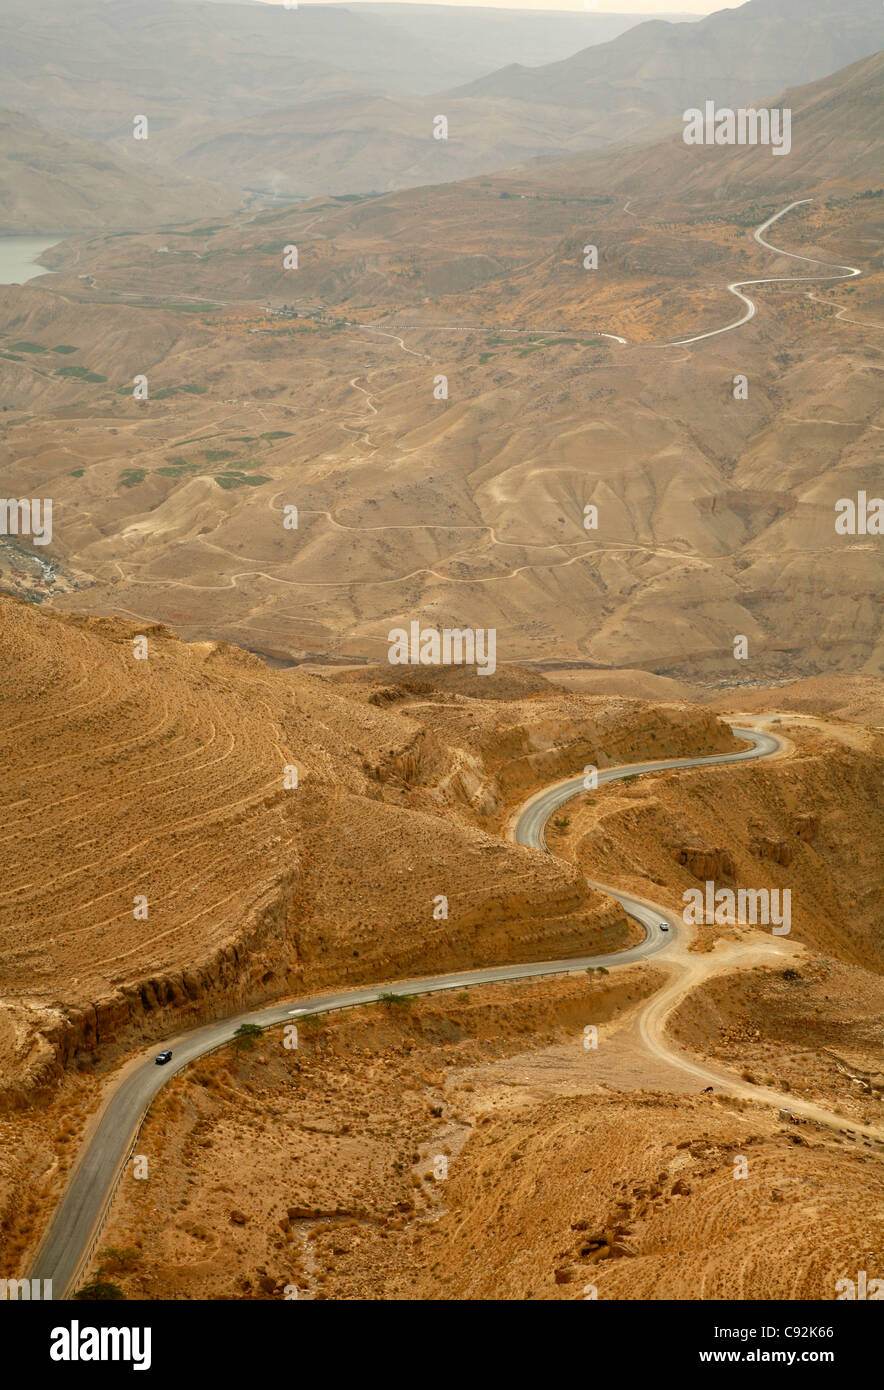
(835, 145)
(362, 143)
(629, 88)
(520, 402)
(781, 823)
(90, 70)
(567, 390)
(657, 69)
(51, 181)
(169, 783)
(504, 240)
(716, 516)
(342, 100)
(490, 38)
(166, 781)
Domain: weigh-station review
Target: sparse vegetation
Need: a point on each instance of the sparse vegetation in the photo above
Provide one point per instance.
(313, 1022)
(81, 374)
(189, 388)
(175, 469)
(247, 1035)
(100, 1291)
(118, 1259)
(316, 1163)
(396, 1001)
(131, 477)
(232, 480)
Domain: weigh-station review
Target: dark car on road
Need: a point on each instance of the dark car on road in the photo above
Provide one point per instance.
(163, 1057)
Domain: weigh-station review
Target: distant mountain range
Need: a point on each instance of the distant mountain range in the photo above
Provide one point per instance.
(836, 141)
(264, 102)
(487, 39)
(657, 68)
(54, 182)
(89, 67)
(629, 89)
(272, 100)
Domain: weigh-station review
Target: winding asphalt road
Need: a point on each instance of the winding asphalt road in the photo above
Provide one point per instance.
(77, 1221)
(533, 818)
(848, 272)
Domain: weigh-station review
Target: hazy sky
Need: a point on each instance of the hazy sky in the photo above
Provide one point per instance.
(648, 7)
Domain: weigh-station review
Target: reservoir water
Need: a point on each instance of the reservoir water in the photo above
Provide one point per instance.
(18, 257)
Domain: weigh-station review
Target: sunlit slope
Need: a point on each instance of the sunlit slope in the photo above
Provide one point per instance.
(191, 831)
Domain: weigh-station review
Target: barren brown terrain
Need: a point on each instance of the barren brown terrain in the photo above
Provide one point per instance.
(173, 771)
(301, 375)
(479, 1151)
(341, 98)
(715, 515)
(785, 824)
(256, 892)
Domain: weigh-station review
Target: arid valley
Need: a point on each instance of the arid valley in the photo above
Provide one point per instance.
(547, 971)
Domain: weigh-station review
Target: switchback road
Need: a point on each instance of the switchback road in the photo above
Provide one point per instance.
(77, 1221)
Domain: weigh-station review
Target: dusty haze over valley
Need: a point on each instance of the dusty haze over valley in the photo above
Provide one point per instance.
(441, 681)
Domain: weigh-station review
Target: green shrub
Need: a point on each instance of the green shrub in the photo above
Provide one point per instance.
(247, 1034)
(98, 1291)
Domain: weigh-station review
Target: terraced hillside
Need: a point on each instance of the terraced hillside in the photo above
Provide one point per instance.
(158, 868)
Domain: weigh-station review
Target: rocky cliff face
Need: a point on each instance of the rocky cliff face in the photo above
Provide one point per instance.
(704, 862)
